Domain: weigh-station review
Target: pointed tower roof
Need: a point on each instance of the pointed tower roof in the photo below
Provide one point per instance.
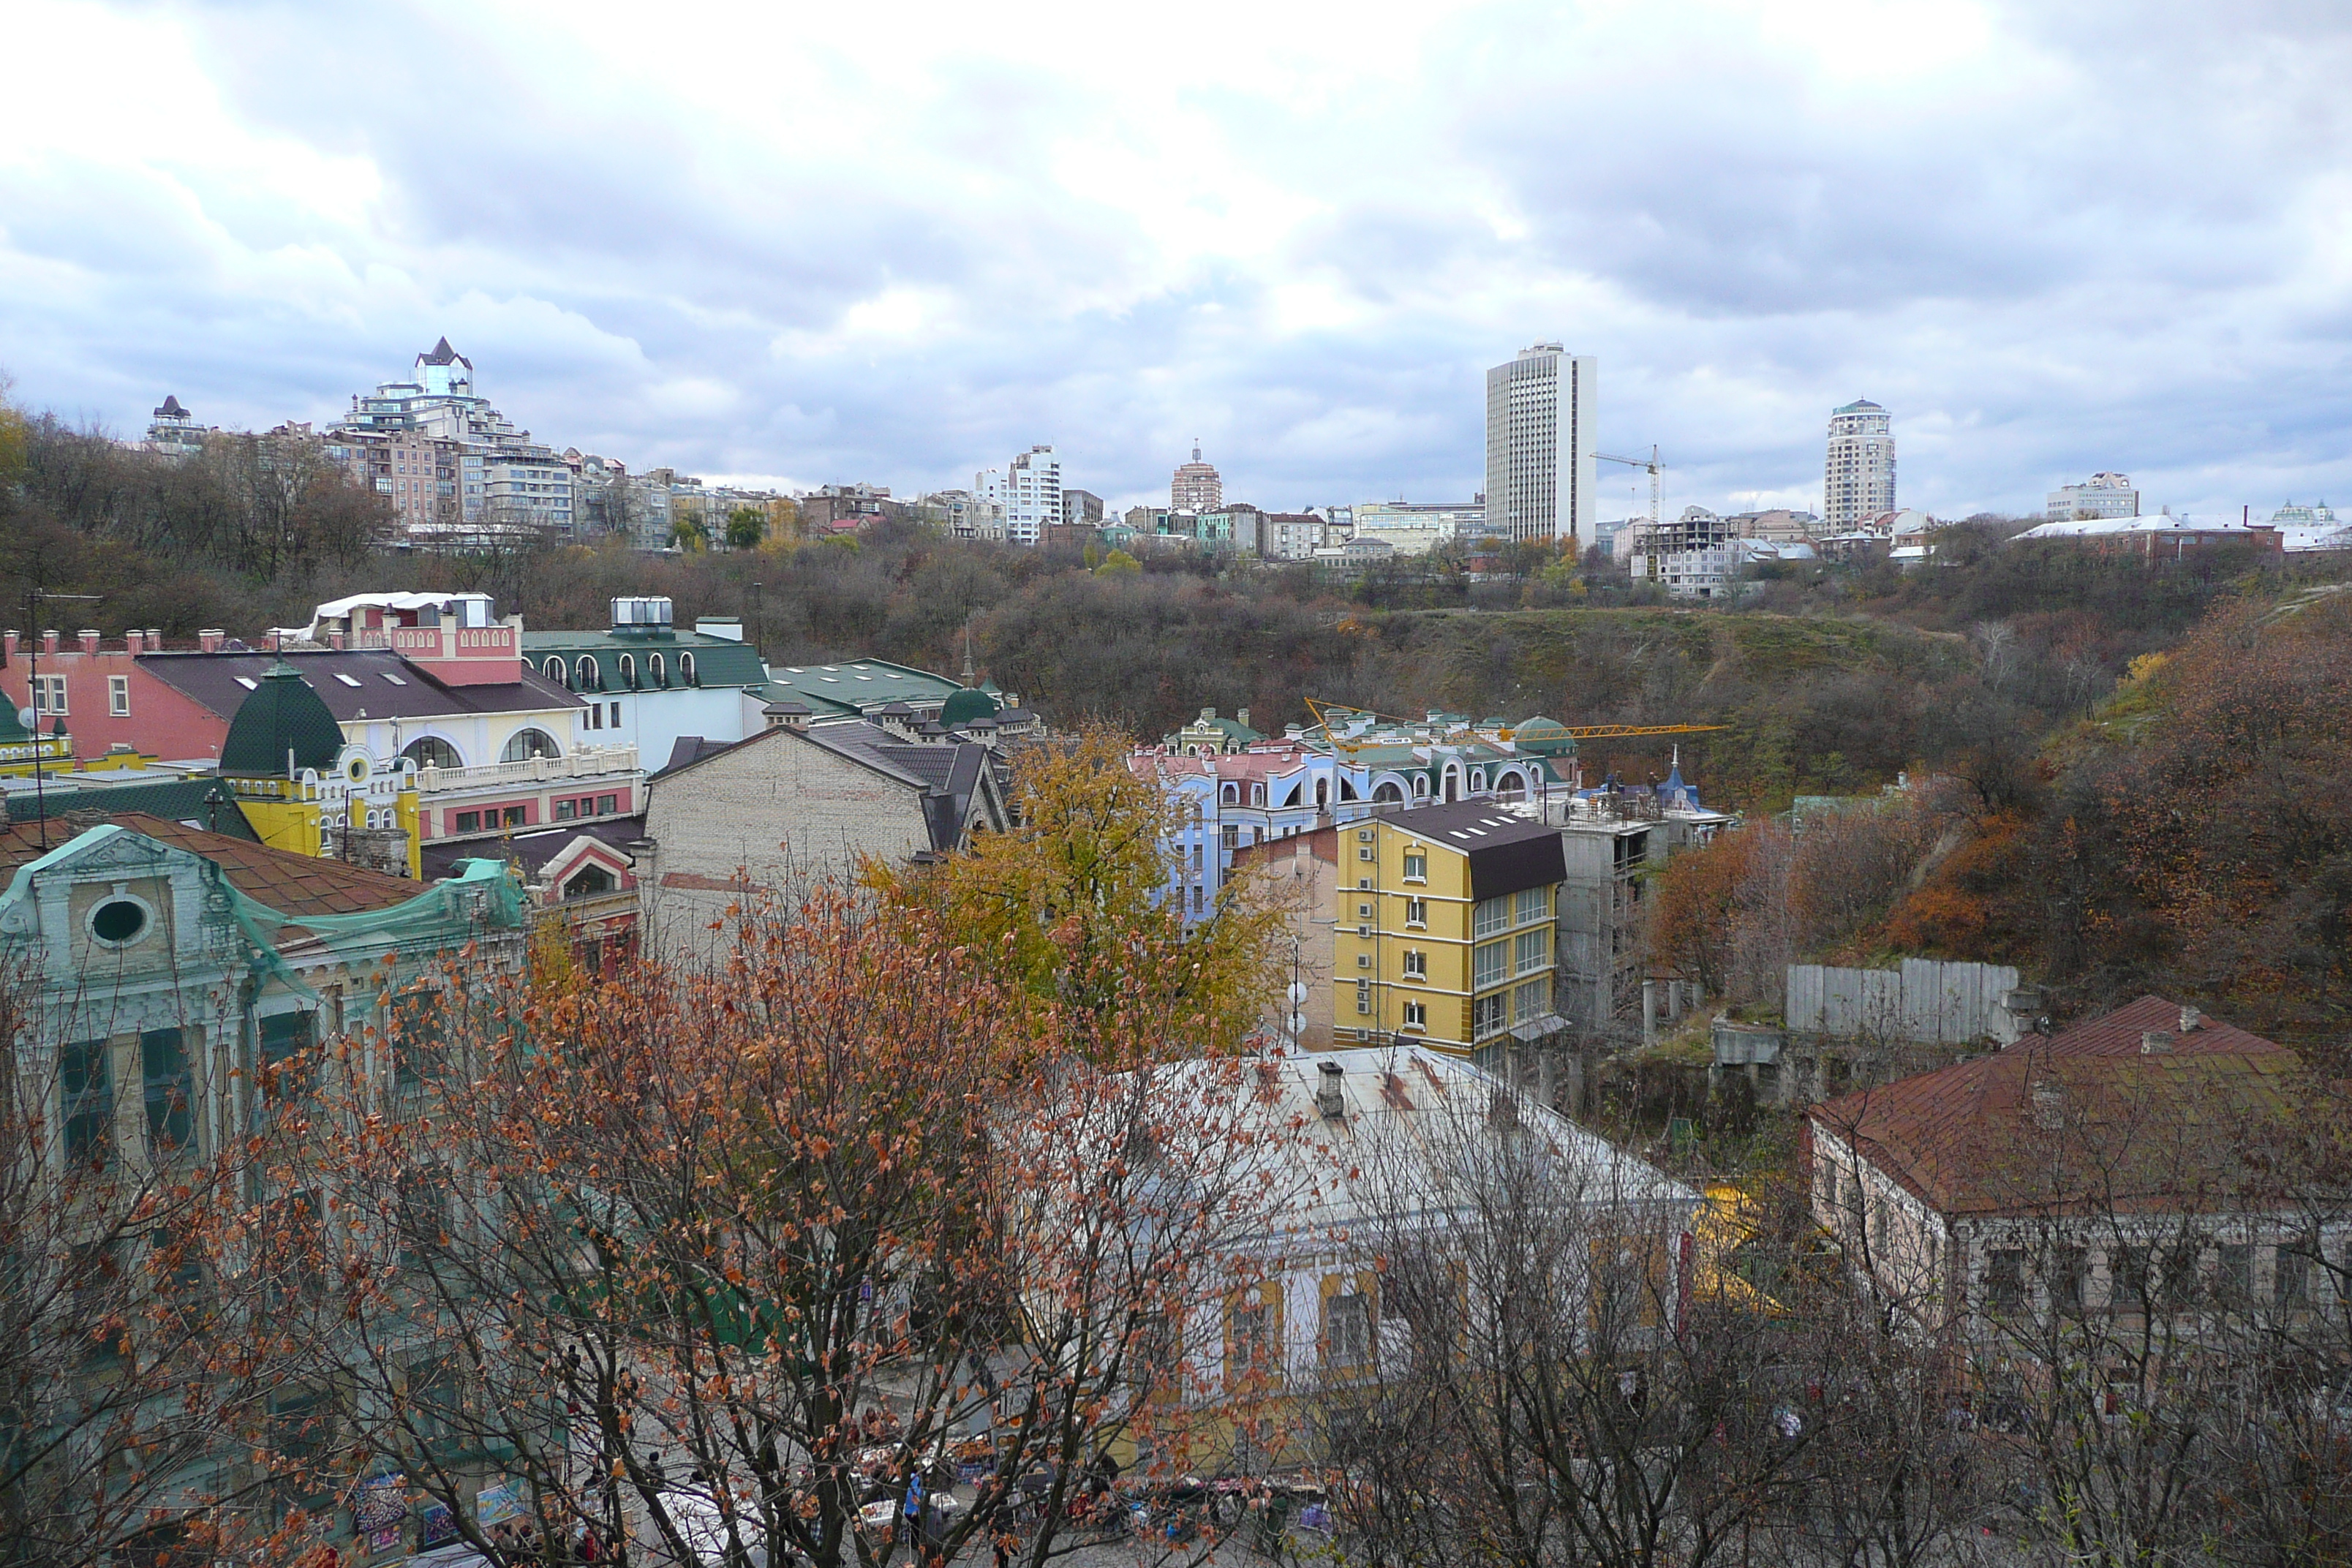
(444, 354)
(170, 409)
(283, 718)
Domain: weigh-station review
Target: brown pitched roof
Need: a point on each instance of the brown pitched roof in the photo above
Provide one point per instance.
(2054, 1126)
(292, 884)
(2121, 1033)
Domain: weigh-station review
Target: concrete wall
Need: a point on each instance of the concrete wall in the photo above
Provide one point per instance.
(1925, 1002)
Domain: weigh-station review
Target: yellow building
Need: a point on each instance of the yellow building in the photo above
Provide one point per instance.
(304, 789)
(1432, 925)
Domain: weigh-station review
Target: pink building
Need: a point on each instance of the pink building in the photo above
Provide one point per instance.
(106, 698)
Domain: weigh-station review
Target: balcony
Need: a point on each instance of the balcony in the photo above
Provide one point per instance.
(586, 762)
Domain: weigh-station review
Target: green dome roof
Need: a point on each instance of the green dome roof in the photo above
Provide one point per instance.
(963, 706)
(283, 716)
(12, 729)
(1543, 737)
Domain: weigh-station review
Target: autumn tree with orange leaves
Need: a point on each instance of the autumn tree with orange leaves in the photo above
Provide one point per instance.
(721, 1261)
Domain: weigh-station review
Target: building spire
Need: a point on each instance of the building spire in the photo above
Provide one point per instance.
(1196, 448)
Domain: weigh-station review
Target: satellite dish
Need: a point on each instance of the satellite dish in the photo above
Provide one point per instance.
(1298, 1024)
(27, 717)
(1298, 992)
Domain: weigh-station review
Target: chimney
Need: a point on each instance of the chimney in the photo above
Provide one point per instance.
(89, 636)
(155, 639)
(209, 638)
(2191, 1020)
(335, 639)
(49, 641)
(2049, 1105)
(8, 641)
(130, 642)
(2155, 1042)
(1242, 714)
(1328, 1097)
(1208, 715)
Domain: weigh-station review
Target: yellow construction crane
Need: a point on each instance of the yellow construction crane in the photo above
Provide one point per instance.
(1575, 731)
(1651, 463)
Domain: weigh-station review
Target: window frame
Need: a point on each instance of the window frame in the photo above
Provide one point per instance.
(90, 1107)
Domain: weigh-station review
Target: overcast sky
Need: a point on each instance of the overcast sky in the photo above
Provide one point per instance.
(811, 242)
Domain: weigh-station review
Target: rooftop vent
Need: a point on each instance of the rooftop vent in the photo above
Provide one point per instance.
(2190, 1020)
(1328, 1097)
(2155, 1042)
(2049, 1105)
(641, 612)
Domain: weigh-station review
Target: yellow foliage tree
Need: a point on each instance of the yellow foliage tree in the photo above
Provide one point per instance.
(1071, 909)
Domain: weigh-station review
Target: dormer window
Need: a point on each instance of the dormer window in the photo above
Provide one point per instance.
(686, 668)
(553, 670)
(657, 669)
(629, 671)
(583, 673)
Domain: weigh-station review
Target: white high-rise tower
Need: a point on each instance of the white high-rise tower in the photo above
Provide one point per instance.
(1539, 442)
(1858, 479)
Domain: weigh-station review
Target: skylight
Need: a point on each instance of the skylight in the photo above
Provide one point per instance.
(395, 680)
(248, 682)
(347, 680)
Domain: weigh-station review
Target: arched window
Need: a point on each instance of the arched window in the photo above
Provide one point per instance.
(629, 671)
(1511, 784)
(432, 751)
(1477, 780)
(1231, 794)
(1258, 795)
(1421, 783)
(657, 669)
(686, 668)
(525, 744)
(1387, 795)
(592, 881)
(1322, 794)
(583, 673)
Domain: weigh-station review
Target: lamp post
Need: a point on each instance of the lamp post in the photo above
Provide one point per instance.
(33, 599)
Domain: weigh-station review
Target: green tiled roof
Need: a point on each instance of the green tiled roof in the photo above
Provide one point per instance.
(283, 724)
(718, 661)
(204, 801)
(860, 685)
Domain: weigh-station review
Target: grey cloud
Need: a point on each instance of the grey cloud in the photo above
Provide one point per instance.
(2125, 273)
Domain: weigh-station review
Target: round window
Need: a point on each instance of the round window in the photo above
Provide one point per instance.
(118, 921)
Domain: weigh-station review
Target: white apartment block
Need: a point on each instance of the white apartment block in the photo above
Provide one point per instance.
(1029, 490)
(1445, 519)
(1858, 479)
(1540, 410)
(527, 486)
(2108, 495)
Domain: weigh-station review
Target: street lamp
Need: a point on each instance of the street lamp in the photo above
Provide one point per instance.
(33, 599)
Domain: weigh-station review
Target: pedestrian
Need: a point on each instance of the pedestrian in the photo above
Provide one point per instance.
(1006, 1543)
(910, 1512)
